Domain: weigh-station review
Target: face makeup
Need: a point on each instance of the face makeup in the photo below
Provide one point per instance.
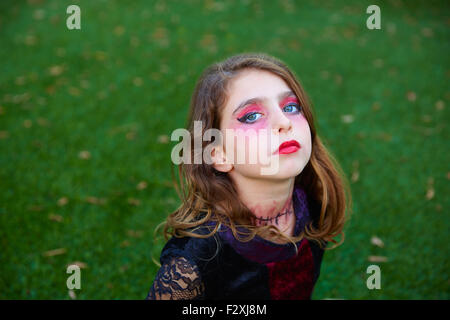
(289, 100)
(262, 112)
(254, 116)
(249, 109)
(256, 122)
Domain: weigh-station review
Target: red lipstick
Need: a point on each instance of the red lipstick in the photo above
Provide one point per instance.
(289, 147)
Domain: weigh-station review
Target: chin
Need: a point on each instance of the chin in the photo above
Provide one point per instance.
(287, 173)
(288, 168)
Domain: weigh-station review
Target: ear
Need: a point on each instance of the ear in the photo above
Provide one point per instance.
(219, 160)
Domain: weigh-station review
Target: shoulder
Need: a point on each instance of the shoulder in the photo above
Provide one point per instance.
(206, 268)
(177, 279)
(182, 273)
(195, 249)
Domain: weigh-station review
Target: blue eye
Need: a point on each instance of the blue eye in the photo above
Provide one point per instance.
(250, 117)
(290, 106)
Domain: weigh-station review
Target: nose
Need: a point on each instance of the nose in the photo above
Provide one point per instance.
(281, 123)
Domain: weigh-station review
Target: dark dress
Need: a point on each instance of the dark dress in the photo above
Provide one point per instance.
(222, 267)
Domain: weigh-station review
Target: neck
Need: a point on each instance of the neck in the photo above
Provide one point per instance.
(269, 200)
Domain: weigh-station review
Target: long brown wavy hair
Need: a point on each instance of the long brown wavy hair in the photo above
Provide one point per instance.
(209, 195)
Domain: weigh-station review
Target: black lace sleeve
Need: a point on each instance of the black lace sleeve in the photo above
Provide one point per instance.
(177, 279)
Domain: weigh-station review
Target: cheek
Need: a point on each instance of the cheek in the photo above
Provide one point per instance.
(248, 137)
(247, 140)
(303, 131)
(301, 125)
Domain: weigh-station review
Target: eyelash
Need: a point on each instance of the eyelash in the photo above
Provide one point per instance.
(245, 117)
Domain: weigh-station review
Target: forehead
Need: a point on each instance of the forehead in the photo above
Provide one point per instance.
(255, 83)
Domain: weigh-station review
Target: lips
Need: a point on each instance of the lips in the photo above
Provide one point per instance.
(288, 147)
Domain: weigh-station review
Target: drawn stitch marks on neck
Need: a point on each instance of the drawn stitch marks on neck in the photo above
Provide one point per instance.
(285, 212)
(267, 220)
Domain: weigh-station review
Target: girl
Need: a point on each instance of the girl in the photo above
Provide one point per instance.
(241, 234)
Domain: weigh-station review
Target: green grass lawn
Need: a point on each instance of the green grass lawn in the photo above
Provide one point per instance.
(85, 116)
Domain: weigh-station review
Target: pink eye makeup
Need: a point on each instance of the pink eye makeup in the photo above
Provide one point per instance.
(291, 103)
(250, 114)
(290, 100)
(253, 112)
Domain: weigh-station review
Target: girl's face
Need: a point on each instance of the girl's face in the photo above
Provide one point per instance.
(261, 113)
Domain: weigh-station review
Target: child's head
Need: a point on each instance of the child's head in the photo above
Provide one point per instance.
(224, 99)
(261, 112)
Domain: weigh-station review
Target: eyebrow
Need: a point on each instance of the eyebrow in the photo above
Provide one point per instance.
(259, 99)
